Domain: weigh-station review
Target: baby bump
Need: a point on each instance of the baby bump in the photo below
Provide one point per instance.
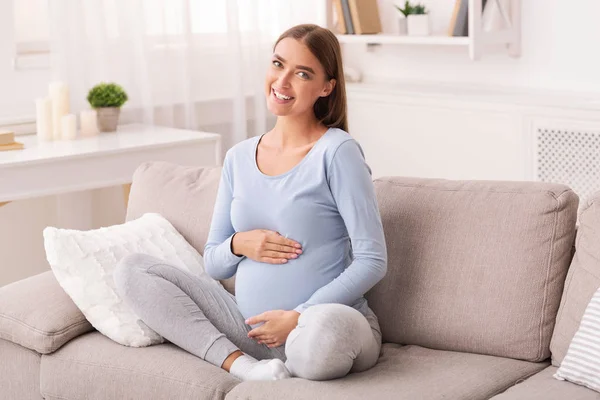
(262, 287)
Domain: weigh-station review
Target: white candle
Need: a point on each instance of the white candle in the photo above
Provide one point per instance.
(59, 94)
(89, 122)
(68, 126)
(43, 118)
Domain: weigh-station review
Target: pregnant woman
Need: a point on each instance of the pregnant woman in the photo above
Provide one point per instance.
(297, 221)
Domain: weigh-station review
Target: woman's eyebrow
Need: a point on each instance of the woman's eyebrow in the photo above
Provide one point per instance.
(309, 69)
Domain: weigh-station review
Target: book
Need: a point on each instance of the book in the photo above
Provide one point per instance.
(365, 16)
(452, 24)
(347, 16)
(340, 25)
(461, 22)
(12, 146)
(6, 137)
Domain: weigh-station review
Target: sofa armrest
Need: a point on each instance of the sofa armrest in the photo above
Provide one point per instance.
(37, 313)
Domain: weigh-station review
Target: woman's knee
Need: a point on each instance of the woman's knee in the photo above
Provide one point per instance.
(326, 341)
(334, 321)
(128, 267)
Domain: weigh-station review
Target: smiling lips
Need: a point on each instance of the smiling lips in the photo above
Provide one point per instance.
(280, 97)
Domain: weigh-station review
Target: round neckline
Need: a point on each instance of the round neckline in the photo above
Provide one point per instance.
(289, 171)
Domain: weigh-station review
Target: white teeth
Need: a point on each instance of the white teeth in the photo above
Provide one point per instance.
(280, 96)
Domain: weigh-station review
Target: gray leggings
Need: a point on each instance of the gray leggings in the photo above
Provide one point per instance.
(197, 314)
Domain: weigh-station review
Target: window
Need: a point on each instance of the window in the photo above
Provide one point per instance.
(165, 21)
(31, 34)
(161, 18)
(160, 31)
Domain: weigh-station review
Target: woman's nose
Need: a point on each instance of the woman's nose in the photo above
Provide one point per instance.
(283, 80)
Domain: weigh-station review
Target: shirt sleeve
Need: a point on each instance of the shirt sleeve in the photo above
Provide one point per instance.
(219, 260)
(351, 184)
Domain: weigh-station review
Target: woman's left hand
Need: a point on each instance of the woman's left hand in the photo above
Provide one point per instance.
(276, 328)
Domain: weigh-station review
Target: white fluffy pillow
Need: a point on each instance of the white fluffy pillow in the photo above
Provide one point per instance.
(83, 263)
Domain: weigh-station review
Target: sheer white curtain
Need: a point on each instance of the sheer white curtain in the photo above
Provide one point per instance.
(196, 64)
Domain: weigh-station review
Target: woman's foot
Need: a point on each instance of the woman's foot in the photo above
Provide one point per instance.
(248, 368)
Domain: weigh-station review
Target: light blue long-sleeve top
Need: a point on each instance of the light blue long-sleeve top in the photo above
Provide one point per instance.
(326, 202)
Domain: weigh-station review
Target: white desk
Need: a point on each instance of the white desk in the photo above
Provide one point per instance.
(109, 159)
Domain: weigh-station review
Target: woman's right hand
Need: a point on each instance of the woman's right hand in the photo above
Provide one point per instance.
(265, 246)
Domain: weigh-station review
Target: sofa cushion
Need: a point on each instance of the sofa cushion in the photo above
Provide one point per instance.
(582, 280)
(94, 367)
(184, 195)
(36, 313)
(474, 266)
(19, 372)
(404, 372)
(542, 386)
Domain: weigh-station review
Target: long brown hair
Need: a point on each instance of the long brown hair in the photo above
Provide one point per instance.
(331, 110)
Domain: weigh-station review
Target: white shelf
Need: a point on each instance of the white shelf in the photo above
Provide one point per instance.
(397, 39)
(479, 42)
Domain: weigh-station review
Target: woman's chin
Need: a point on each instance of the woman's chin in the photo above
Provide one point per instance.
(278, 110)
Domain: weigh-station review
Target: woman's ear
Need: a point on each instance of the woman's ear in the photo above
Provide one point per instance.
(329, 86)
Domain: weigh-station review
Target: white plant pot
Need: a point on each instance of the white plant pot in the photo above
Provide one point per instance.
(418, 25)
(402, 26)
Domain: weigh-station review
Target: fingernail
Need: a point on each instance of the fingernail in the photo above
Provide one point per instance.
(299, 251)
(294, 255)
(298, 245)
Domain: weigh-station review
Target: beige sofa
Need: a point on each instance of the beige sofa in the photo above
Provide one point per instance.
(468, 308)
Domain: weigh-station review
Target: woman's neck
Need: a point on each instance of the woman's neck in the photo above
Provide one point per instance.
(290, 132)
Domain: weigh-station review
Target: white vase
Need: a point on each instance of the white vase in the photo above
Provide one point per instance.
(402, 26)
(418, 25)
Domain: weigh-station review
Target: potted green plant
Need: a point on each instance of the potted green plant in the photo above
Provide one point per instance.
(415, 19)
(107, 99)
(405, 12)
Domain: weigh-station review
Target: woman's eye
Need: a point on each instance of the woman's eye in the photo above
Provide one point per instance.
(276, 63)
(303, 75)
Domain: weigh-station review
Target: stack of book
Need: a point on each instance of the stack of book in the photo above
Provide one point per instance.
(7, 141)
(357, 17)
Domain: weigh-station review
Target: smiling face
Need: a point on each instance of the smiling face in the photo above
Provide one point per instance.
(295, 79)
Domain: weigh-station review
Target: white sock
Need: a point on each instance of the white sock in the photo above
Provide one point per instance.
(248, 368)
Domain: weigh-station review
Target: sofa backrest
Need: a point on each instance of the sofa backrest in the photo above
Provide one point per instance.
(583, 279)
(184, 195)
(474, 266)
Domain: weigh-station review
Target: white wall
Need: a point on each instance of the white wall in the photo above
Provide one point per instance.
(559, 51)
(476, 135)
